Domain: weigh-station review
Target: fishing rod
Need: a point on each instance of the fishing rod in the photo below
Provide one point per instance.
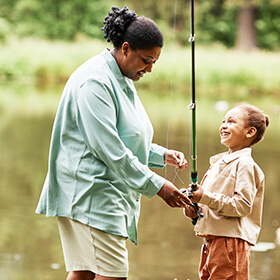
(192, 107)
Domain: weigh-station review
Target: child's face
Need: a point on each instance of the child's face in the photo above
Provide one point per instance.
(233, 131)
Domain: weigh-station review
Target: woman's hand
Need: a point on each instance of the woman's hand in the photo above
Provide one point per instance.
(190, 212)
(172, 196)
(175, 158)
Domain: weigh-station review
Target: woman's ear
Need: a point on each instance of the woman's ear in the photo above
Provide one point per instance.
(125, 48)
(251, 132)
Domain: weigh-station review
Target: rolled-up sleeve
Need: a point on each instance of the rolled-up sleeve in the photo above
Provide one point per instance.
(156, 156)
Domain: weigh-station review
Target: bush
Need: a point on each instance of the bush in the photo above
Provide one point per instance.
(217, 22)
(4, 30)
(52, 19)
(268, 26)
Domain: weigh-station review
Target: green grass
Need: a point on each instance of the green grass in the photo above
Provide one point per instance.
(44, 62)
(219, 72)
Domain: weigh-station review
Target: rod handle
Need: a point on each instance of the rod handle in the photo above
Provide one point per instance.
(194, 205)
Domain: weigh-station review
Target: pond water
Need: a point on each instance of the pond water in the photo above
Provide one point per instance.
(29, 244)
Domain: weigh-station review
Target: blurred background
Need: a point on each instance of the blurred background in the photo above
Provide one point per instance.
(237, 60)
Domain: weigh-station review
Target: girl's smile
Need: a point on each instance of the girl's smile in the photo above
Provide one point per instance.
(234, 132)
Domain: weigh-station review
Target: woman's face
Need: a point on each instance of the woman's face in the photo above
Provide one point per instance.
(136, 63)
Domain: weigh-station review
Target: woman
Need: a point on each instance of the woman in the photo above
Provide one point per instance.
(101, 151)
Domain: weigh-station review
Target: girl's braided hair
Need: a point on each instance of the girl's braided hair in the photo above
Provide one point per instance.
(123, 25)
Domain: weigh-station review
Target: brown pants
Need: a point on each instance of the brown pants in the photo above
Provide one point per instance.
(224, 258)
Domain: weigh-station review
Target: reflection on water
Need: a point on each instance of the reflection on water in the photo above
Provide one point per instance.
(29, 244)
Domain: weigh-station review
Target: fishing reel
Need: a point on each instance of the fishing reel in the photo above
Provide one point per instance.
(194, 205)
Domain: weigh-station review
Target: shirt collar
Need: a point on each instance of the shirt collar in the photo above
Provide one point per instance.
(123, 81)
(226, 157)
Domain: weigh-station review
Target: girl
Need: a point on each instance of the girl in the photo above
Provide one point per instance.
(231, 198)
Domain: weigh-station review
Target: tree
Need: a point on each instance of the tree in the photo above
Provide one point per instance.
(242, 24)
(253, 18)
(54, 19)
(246, 31)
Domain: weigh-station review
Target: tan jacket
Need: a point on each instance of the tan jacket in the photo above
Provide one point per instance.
(232, 204)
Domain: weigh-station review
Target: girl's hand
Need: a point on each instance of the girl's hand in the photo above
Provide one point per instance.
(197, 194)
(175, 158)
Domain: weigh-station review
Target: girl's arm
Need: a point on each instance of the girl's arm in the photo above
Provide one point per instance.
(240, 204)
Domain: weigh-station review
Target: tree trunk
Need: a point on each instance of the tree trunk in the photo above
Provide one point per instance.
(246, 34)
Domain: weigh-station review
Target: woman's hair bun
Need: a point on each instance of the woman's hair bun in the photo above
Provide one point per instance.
(116, 23)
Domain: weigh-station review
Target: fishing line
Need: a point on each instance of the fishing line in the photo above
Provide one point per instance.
(171, 80)
(176, 171)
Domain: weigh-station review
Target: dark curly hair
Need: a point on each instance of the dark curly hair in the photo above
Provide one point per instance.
(123, 25)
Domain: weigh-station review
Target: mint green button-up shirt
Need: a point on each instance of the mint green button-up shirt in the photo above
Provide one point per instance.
(100, 152)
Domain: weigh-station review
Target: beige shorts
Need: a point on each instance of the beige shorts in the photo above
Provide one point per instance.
(87, 248)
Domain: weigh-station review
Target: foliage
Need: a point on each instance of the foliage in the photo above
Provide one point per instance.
(55, 19)
(165, 15)
(268, 26)
(4, 29)
(215, 21)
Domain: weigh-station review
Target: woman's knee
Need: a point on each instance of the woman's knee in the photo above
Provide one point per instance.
(80, 275)
(99, 277)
